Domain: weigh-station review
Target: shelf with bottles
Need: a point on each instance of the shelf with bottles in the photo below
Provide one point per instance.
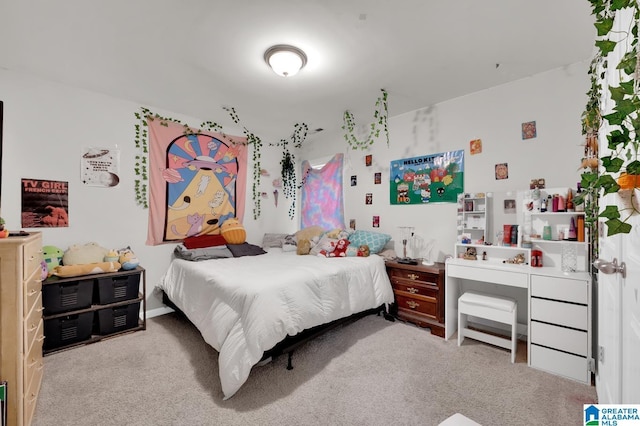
(472, 218)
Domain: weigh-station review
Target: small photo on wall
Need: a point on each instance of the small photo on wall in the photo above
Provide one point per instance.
(377, 178)
(354, 180)
(368, 199)
(368, 160)
(529, 130)
(475, 146)
(502, 171)
(376, 221)
(352, 224)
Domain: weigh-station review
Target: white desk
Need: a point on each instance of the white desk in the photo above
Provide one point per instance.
(554, 310)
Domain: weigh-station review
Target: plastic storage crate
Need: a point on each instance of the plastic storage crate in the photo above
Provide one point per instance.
(118, 288)
(68, 296)
(118, 318)
(67, 329)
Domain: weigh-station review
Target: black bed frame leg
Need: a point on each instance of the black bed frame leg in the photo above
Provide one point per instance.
(289, 364)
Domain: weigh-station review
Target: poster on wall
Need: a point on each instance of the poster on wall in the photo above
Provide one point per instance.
(100, 167)
(434, 178)
(45, 203)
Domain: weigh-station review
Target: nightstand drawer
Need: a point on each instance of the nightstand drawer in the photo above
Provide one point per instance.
(414, 288)
(409, 276)
(422, 304)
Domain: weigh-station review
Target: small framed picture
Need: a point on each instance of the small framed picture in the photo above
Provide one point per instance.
(376, 221)
(502, 171)
(352, 224)
(529, 130)
(475, 146)
(509, 206)
(354, 180)
(377, 178)
(368, 160)
(368, 199)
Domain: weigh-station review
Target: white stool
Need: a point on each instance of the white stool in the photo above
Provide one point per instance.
(495, 308)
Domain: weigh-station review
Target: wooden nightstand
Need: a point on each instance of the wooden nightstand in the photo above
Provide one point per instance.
(419, 294)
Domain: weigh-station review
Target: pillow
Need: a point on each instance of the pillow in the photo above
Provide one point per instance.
(273, 240)
(375, 240)
(201, 241)
(245, 249)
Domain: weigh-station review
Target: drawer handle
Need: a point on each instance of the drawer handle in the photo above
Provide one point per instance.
(32, 292)
(412, 290)
(413, 276)
(33, 362)
(412, 304)
(33, 327)
(40, 309)
(41, 338)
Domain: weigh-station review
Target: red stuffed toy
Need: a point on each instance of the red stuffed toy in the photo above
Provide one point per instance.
(340, 249)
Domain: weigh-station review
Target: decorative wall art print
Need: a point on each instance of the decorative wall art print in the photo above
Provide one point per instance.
(321, 201)
(376, 221)
(377, 178)
(529, 130)
(502, 171)
(354, 180)
(475, 146)
(100, 167)
(368, 199)
(368, 160)
(435, 178)
(197, 181)
(45, 203)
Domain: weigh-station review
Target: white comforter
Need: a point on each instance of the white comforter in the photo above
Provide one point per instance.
(244, 306)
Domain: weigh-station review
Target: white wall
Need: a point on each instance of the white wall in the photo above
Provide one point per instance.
(555, 100)
(46, 125)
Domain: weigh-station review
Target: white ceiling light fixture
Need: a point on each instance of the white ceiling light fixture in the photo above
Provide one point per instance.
(285, 60)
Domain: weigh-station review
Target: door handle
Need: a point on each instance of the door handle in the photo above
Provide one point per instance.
(610, 267)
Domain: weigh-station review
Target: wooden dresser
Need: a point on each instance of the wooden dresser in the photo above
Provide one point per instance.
(419, 294)
(21, 325)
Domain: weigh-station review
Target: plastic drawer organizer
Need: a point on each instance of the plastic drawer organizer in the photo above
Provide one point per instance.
(89, 308)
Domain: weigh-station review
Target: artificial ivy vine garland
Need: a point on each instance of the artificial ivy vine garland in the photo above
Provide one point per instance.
(380, 118)
(624, 121)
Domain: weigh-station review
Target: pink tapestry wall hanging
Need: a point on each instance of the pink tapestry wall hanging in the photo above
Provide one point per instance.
(197, 181)
(322, 202)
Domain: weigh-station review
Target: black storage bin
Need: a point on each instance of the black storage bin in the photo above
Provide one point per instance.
(67, 329)
(68, 296)
(118, 318)
(118, 288)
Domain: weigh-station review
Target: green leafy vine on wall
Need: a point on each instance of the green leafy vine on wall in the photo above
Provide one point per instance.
(379, 123)
(622, 161)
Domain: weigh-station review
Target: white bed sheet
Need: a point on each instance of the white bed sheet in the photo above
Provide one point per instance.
(244, 306)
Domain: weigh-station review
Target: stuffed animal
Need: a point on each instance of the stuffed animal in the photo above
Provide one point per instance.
(85, 269)
(233, 231)
(362, 251)
(83, 254)
(4, 233)
(303, 247)
(309, 233)
(128, 259)
(52, 256)
(112, 256)
(339, 249)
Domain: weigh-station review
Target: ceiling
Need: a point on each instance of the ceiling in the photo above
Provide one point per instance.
(193, 57)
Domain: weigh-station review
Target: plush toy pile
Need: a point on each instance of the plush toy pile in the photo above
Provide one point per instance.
(87, 259)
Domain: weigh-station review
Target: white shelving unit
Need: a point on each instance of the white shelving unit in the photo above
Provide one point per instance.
(472, 223)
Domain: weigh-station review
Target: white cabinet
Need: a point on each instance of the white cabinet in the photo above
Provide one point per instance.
(560, 331)
(472, 222)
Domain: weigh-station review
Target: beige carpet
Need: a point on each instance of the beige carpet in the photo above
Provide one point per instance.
(371, 372)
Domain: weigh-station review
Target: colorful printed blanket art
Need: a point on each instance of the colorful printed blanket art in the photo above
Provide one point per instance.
(322, 203)
(197, 181)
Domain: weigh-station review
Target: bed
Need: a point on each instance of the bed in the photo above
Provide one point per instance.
(245, 307)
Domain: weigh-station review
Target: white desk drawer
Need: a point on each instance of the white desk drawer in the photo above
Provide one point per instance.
(572, 366)
(566, 314)
(514, 279)
(560, 289)
(564, 339)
